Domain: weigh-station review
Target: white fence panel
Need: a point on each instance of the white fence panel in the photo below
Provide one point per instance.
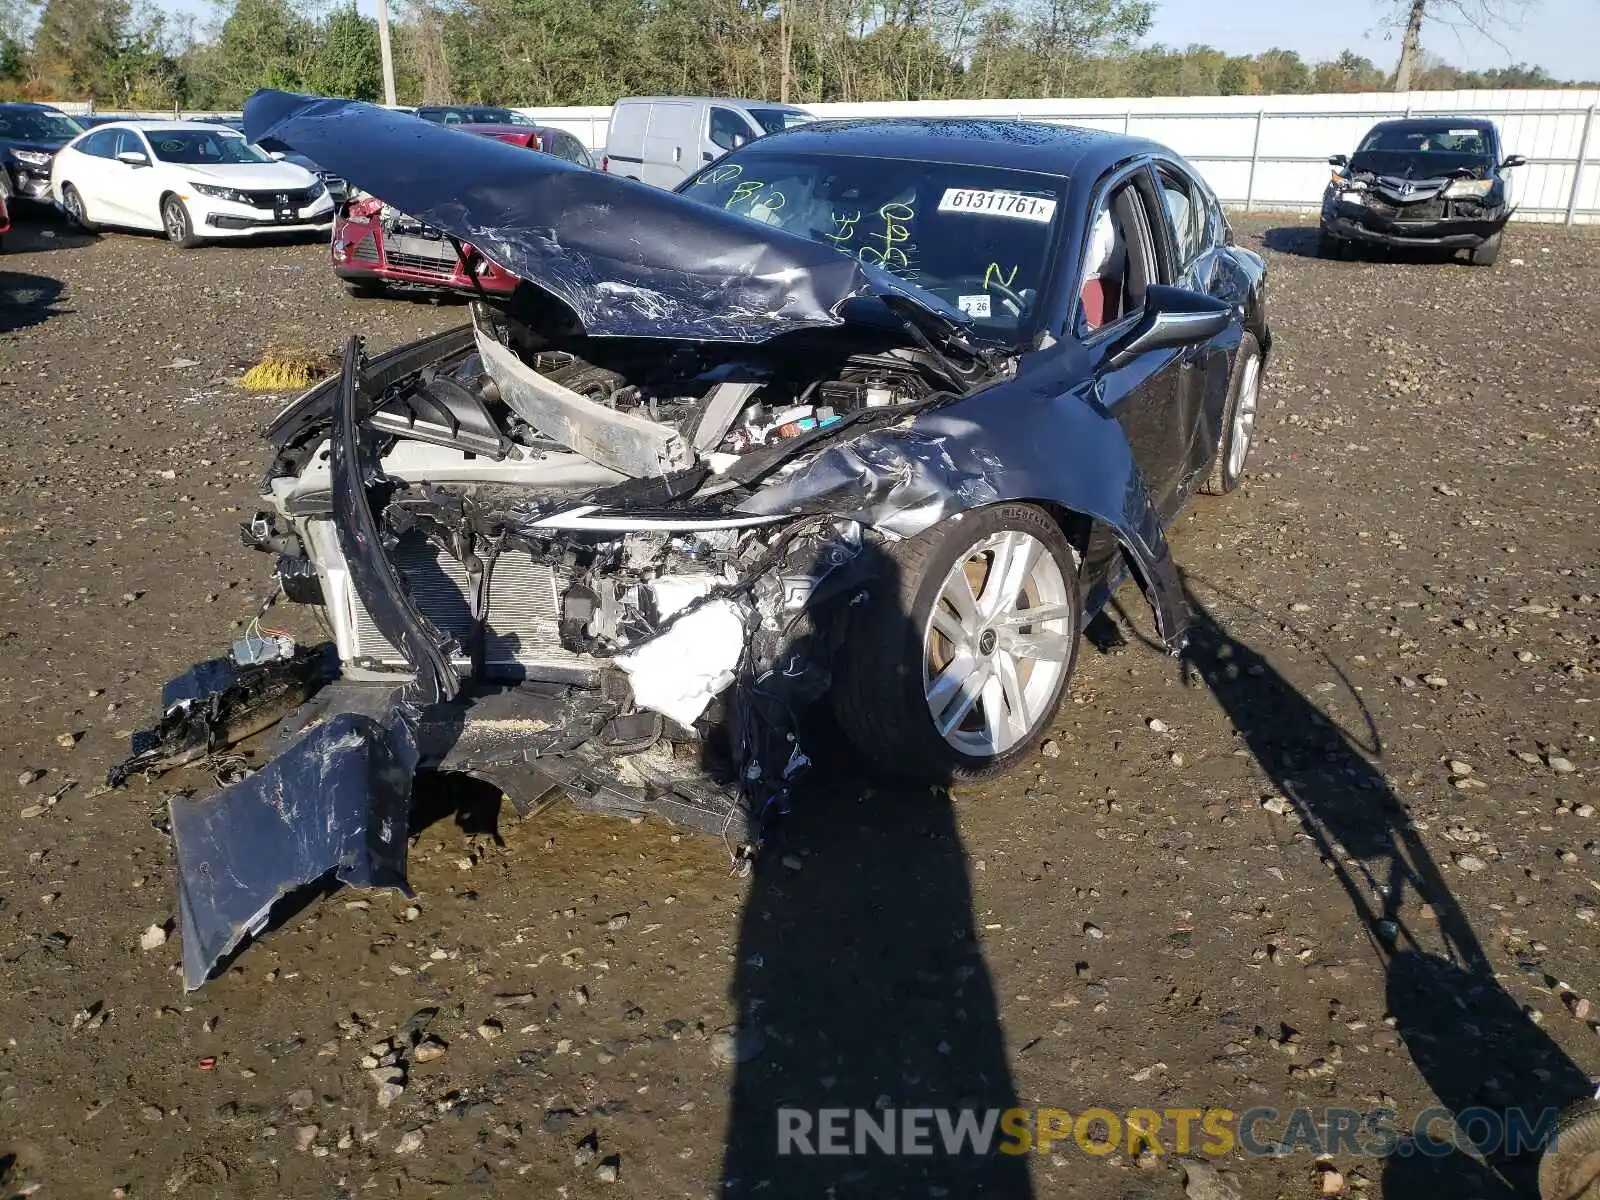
(1270, 152)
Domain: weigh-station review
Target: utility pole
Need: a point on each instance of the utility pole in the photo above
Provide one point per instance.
(384, 52)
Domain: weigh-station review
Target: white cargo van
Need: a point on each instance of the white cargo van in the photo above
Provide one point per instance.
(665, 139)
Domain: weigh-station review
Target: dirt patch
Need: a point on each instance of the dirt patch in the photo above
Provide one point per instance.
(1335, 861)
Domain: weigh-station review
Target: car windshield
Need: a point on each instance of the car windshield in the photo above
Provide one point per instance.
(473, 116)
(977, 238)
(37, 125)
(200, 147)
(1433, 139)
(776, 120)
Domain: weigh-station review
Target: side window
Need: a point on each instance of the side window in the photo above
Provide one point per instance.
(98, 145)
(729, 130)
(1186, 211)
(128, 142)
(1119, 261)
(571, 149)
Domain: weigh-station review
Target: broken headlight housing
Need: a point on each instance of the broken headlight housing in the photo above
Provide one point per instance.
(1469, 189)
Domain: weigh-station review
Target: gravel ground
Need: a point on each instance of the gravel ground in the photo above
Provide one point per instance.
(1348, 858)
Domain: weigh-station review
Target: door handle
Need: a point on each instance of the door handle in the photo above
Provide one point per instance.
(705, 156)
(677, 154)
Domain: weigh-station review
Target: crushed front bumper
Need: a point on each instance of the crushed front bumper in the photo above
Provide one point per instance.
(361, 253)
(1356, 223)
(334, 797)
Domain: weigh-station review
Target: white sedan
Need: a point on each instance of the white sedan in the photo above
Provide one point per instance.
(192, 181)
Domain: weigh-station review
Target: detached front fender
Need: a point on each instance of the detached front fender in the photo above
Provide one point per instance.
(1005, 444)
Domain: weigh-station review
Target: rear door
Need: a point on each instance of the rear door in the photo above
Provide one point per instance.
(625, 137)
(672, 142)
(84, 166)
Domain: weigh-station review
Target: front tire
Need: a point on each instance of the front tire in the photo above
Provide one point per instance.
(1485, 255)
(956, 665)
(72, 202)
(177, 223)
(1238, 419)
(1329, 246)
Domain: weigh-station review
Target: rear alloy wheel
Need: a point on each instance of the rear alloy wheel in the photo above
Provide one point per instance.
(1485, 254)
(1238, 419)
(73, 204)
(175, 220)
(956, 669)
(1569, 1169)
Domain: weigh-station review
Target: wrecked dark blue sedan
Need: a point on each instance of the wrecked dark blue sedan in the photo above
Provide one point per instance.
(867, 415)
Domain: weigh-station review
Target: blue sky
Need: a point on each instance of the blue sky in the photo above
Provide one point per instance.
(1558, 35)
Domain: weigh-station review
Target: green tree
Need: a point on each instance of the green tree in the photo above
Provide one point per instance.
(74, 47)
(346, 62)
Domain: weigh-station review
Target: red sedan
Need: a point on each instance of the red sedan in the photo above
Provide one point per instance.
(375, 248)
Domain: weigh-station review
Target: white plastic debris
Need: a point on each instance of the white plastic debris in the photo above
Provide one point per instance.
(680, 672)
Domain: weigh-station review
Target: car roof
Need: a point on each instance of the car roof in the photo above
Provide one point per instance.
(33, 106)
(724, 101)
(1423, 124)
(492, 128)
(157, 126)
(1016, 145)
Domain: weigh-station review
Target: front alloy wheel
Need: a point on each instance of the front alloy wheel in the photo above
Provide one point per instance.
(957, 663)
(175, 220)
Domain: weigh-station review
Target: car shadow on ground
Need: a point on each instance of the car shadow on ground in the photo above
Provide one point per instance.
(860, 985)
(1491, 1068)
(39, 231)
(26, 299)
(1304, 241)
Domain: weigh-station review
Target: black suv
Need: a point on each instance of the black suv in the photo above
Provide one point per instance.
(30, 135)
(1435, 181)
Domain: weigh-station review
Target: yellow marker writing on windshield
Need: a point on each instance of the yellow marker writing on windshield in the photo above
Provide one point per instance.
(743, 191)
(846, 225)
(894, 232)
(993, 272)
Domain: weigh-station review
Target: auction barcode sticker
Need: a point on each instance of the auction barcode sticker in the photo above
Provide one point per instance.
(998, 204)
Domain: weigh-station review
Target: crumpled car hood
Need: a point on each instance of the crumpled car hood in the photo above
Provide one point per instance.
(629, 259)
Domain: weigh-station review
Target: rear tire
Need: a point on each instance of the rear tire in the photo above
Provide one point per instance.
(1239, 416)
(1485, 255)
(178, 224)
(908, 650)
(72, 202)
(1569, 1168)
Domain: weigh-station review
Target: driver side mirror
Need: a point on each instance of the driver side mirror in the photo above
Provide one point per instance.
(1339, 160)
(1513, 160)
(134, 158)
(1172, 317)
